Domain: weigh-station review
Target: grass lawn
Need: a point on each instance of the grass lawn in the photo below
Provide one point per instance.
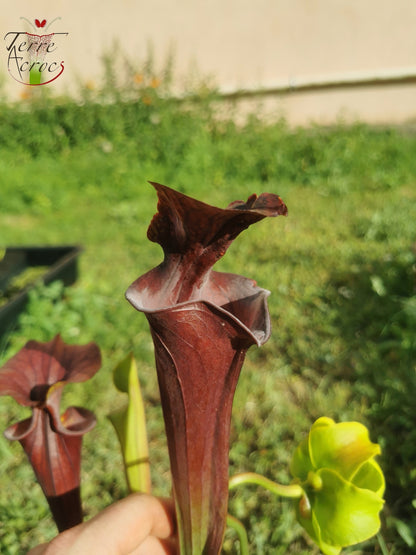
(340, 268)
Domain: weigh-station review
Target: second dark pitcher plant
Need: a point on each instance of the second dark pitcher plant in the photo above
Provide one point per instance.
(202, 323)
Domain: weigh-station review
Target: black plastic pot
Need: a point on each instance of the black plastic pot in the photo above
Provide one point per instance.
(62, 263)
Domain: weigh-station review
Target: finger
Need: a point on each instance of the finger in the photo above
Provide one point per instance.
(118, 529)
(38, 550)
(155, 546)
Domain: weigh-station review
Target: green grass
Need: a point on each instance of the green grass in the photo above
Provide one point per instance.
(341, 269)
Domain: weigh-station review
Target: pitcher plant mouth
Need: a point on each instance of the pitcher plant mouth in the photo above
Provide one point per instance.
(202, 323)
(35, 377)
(253, 301)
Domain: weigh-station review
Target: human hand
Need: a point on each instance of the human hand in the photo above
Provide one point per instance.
(140, 524)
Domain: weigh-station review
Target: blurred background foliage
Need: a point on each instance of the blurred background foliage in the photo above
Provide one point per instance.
(341, 269)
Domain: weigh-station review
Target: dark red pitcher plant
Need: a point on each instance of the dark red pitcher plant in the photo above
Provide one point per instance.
(202, 323)
(35, 378)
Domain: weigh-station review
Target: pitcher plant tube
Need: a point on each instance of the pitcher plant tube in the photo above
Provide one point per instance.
(35, 378)
(202, 323)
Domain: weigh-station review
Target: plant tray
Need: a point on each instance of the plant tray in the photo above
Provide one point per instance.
(22, 267)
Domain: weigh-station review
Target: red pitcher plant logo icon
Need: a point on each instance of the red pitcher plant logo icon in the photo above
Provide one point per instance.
(34, 59)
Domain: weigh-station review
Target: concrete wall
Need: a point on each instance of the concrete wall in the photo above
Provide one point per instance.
(244, 44)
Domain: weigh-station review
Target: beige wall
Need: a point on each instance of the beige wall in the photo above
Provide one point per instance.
(243, 44)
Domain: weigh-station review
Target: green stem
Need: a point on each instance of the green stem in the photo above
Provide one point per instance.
(382, 544)
(239, 529)
(292, 490)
